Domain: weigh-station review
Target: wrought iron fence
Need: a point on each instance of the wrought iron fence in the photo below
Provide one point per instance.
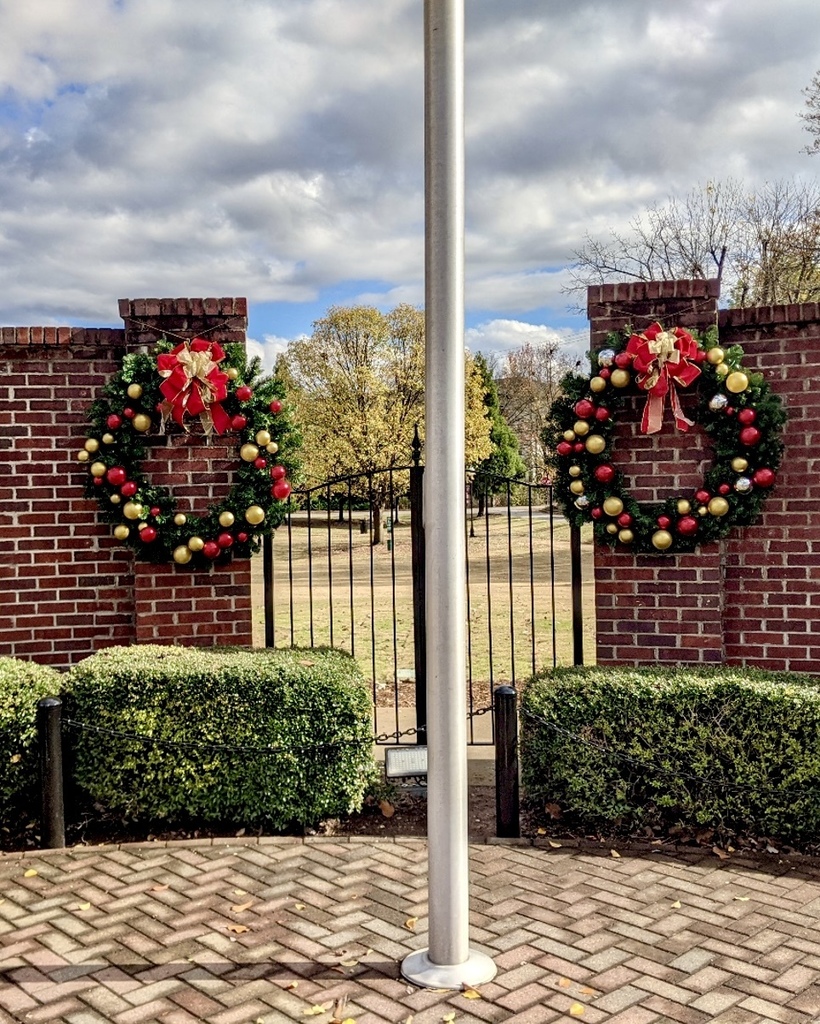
(346, 569)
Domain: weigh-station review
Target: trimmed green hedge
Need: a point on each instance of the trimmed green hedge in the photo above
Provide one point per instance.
(284, 699)
(22, 685)
(721, 747)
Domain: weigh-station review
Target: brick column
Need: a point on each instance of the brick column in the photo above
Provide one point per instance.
(657, 608)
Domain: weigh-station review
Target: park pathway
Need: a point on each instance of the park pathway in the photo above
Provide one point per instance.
(246, 931)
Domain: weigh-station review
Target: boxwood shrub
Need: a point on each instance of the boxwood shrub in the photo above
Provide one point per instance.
(721, 747)
(310, 704)
(22, 685)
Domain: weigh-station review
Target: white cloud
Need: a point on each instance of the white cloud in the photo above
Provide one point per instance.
(268, 349)
(499, 337)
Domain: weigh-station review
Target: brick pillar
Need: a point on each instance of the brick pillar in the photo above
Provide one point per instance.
(173, 604)
(657, 608)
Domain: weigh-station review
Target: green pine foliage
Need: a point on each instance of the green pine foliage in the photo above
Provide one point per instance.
(504, 462)
(311, 706)
(722, 748)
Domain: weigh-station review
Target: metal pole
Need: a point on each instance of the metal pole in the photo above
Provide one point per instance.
(49, 737)
(419, 586)
(507, 823)
(577, 595)
(448, 962)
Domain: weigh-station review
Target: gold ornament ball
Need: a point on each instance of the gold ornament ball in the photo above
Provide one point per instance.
(620, 378)
(703, 510)
(597, 384)
(142, 526)
(613, 506)
(595, 444)
(98, 469)
(132, 510)
(182, 554)
(121, 532)
(134, 391)
(581, 428)
(233, 373)
(108, 439)
(718, 506)
(141, 422)
(662, 539)
(262, 438)
(722, 369)
(255, 515)
(83, 456)
(574, 470)
(115, 499)
(737, 382)
(739, 464)
(180, 519)
(715, 355)
(626, 536)
(92, 445)
(273, 447)
(226, 518)
(569, 435)
(577, 486)
(684, 507)
(196, 543)
(611, 528)
(249, 452)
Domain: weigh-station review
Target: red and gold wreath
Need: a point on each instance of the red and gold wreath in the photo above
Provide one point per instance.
(229, 396)
(736, 408)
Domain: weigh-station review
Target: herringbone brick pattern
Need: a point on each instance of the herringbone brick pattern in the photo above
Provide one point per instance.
(242, 932)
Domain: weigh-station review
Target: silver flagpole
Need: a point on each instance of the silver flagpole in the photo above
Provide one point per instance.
(448, 962)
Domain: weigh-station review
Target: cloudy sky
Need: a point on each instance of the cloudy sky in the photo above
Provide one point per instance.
(273, 148)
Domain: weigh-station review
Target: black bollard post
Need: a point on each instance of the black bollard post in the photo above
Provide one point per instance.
(49, 736)
(507, 824)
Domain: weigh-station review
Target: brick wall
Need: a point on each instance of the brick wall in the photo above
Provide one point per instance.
(67, 588)
(754, 598)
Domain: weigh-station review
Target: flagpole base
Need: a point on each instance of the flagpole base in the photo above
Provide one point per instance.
(477, 969)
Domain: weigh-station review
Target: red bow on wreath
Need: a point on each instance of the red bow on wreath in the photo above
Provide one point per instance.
(663, 363)
(194, 384)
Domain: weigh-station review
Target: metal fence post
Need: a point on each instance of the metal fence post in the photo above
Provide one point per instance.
(417, 547)
(507, 822)
(49, 737)
(577, 593)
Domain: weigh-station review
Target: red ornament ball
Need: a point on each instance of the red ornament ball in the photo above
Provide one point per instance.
(702, 497)
(114, 421)
(155, 510)
(746, 417)
(763, 477)
(602, 414)
(210, 549)
(148, 534)
(224, 540)
(729, 410)
(128, 412)
(687, 526)
(279, 472)
(605, 373)
(275, 406)
(239, 422)
(260, 463)
(116, 476)
(280, 490)
(597, 512)
(700, 355)
(562, 448)
(749, 436)
(584, 409)
(664, 522)
(578, 447)
(244, 393)
(128, 489)
(242, 537)
(623, 360)
(724, 489)
(604, 473)
(98, 481)
(624, 519)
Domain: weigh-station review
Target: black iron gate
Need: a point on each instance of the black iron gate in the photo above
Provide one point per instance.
(346, 569)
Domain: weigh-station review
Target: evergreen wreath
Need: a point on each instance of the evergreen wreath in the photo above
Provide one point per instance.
(736, 408)
(229, 395)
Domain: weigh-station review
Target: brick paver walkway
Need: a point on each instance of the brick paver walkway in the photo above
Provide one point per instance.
(283, 930)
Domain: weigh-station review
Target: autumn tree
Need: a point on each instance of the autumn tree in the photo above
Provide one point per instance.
(762, 244)
(811, 116)
(358, 388)
(504, 461)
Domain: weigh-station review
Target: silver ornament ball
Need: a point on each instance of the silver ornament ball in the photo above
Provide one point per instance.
(718, 402)
(606, 357)
(582, 502)
(743, 485)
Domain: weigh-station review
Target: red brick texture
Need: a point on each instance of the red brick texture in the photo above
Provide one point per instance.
(753, 599)
(67, 588)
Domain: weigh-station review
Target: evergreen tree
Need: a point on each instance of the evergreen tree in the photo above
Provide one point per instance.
(504, 461)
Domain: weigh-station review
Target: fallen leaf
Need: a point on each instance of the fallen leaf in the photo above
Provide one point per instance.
(676, 905)
(348, 963)
(387, 809)
(564, 982)
(159, 888)
(589, 992)
(471, 993)
(411, 923)
(449, 1016)
(613, 853)
(240, 892)
(238, 929)
(83, 906)
(318, 1008)
(15, 758)
(541, 832)
(741, 899)
(408, 1020)
(30, 873)
(553, 810)
(554, 845)
(240, 907)
(241, 832)
(291, 985)
(347, 1020)
(716, 850)
(298, 906)
(307, 664)
(576, 1010)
